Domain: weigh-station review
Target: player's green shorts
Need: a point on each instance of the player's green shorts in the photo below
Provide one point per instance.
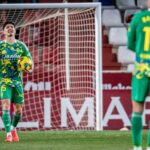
(15, 95)
(140, 88)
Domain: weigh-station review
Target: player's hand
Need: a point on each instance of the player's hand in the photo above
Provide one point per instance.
(31, 70)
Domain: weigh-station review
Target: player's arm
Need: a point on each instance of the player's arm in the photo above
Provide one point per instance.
(26, 53)
(132, 35)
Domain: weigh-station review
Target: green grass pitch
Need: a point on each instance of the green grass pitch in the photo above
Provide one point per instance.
(71, 140)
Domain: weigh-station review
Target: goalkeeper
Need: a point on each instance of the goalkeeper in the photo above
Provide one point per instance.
(139, 42)
(11, 86)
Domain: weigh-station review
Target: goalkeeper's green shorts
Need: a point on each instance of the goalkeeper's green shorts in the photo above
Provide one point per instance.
(14, 94)
(140, 88)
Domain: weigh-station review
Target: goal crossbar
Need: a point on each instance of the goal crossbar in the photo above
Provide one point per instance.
(50, 5)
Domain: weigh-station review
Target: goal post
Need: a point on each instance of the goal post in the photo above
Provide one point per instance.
(64, 92)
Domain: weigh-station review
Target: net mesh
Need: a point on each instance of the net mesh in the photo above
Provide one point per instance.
(43, 31)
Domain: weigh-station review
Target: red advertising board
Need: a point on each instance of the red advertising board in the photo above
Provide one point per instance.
(46, 109)
(117, 106)
(116, 100)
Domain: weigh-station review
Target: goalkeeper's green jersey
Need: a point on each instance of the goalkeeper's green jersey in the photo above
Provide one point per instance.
(9, 55)
(139, 42)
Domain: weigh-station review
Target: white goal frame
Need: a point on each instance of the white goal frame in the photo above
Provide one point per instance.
(98, 45)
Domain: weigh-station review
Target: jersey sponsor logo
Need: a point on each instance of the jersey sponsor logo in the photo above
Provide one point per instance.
(10, 57)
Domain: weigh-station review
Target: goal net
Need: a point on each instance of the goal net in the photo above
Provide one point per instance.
(64, 90)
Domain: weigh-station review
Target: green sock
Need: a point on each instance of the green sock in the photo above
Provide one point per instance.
(16, 119)
(136, 128)
(6, 120)
(148, 140)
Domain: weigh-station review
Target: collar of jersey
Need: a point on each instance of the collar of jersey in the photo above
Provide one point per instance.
(9, 43)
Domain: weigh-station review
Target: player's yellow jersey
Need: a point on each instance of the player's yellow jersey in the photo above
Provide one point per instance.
(139, 42)
(9, 55)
